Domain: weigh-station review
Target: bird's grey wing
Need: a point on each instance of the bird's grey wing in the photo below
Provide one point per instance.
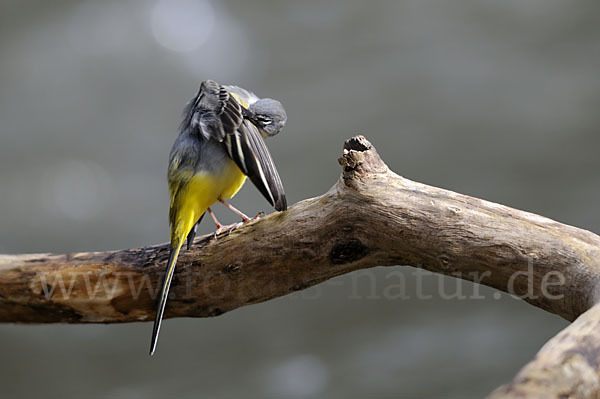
(182, 164)
(247, 148)
(213, 113)
(216, 114)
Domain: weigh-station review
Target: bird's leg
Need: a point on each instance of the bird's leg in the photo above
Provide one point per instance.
(241, 214)
(245, 218)
(214, 218)
(220, 227)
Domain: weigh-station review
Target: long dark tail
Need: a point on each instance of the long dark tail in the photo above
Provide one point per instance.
(164, 293)
(192, 233)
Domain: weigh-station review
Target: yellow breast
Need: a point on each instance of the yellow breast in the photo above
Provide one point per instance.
(232, 179)
(204, 189)
(200, 192)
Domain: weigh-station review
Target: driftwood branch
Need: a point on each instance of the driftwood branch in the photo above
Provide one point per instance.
(370, 217)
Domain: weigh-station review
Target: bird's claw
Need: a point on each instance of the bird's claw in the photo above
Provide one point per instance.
(230, 227)
(258, 216)
(227, 229)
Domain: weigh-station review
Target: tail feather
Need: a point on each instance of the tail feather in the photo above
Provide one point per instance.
(164, 293)
(192, 234)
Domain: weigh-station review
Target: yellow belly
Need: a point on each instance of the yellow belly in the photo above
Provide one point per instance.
(231, 180)
(201, 191)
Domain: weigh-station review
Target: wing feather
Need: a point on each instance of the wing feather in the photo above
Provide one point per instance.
(218, 115)
(260, 166)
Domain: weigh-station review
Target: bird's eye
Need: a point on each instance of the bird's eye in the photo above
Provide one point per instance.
(265, 120)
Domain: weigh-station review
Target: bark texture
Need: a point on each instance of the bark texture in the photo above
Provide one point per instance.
(370, 217)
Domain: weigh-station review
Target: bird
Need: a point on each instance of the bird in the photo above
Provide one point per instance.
(220, 144)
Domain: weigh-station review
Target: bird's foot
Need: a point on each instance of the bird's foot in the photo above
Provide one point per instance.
(258, 216)
(230, 227)
(246, 219)
(226, 229)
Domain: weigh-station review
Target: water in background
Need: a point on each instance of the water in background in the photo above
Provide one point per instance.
(496, 99)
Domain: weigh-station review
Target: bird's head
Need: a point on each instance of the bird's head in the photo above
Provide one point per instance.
(269, 115)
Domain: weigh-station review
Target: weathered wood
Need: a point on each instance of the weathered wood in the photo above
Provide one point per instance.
(370, 217)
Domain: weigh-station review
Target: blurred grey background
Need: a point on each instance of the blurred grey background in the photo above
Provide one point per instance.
(497, 99)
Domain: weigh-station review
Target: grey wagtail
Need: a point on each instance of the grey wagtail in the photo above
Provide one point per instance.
(220, 143)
